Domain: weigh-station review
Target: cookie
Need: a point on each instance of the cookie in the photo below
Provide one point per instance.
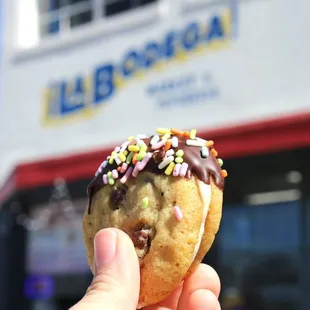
(165, 192)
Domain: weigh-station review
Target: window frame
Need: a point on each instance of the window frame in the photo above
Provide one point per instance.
(62, 16)
(101, 26)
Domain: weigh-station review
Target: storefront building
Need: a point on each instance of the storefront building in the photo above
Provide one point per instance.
(80, 78)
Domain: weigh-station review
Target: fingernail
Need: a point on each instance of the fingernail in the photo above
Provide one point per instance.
(105, 247)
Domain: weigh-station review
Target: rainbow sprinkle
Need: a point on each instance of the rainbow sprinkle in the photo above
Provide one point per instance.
(178, 213)
(145, 202)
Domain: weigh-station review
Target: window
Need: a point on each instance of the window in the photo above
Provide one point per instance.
(62, 15)
(113, 7)
(40, 19)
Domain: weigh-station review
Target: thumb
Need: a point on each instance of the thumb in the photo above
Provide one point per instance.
(116, 283)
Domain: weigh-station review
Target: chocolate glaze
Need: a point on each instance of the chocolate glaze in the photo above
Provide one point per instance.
(202, 168)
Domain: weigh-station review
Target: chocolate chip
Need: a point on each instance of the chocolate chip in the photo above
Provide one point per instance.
(117, 197)
(158, 156)
(148, 179)
(140, 239)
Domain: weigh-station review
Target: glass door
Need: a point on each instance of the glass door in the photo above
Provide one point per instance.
(260, 243)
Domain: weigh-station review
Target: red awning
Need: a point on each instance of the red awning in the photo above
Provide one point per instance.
(283, 133)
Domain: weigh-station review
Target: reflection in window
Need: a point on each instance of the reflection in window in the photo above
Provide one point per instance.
(267, 228)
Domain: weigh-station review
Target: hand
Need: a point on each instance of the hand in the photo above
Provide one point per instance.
(116, 283)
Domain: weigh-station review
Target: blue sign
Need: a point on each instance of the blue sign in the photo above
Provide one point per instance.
(39, 287)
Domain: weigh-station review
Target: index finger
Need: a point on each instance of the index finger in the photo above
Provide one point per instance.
(204, 277)
(201, 289)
